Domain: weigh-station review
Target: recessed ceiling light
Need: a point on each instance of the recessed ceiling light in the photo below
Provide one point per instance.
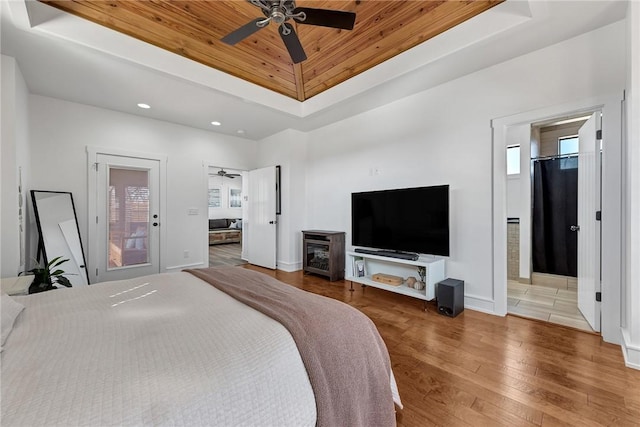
(240, 131)
(216, 123)
(145, 106)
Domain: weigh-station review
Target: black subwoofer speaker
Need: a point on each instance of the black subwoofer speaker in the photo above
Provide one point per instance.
(450, 295)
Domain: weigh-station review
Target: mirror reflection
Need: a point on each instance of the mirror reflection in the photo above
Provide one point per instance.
(59, 235)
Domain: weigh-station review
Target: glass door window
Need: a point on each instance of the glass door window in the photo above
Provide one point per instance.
(129, 217)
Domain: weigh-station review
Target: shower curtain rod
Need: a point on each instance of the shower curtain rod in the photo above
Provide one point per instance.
(556, 156)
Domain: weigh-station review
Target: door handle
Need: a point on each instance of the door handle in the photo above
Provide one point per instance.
(574, 228)
(272, 222)
(155, 224)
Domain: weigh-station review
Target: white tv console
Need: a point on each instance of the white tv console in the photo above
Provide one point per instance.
(434, 269)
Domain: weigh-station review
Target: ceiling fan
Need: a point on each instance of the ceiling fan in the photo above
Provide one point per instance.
(280, 11)
(223, 173)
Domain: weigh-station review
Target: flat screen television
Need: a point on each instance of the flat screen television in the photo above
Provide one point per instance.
(404, 219)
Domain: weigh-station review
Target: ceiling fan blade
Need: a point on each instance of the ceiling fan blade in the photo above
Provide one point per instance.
(292, 42)
(327, 18)
(242, 32)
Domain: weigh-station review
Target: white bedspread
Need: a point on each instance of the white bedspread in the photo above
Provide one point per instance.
(126, 353)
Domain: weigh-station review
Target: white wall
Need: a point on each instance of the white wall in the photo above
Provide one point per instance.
(513, 196)
(631, 292)
(61, 131)
(443, 136)
(288, 149)
(15, 166)
(224, 184)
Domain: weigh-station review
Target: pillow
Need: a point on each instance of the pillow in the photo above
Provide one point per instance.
(234, 224)
(239, 223)
(9, 309)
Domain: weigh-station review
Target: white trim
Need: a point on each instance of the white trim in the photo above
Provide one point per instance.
(484, 305)
(630, 352)
(182, 267)
(289, 267)
(611, 225)
(92, 200)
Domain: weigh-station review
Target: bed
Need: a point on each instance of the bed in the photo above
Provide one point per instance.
(179, 349)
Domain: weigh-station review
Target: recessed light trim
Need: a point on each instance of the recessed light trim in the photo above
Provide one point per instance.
(216, 123)
(144, 106)
(240, 131)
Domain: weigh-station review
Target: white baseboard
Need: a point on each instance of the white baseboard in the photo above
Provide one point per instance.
(630, 351)
(182, 267)
(481, 304)
(289, 267)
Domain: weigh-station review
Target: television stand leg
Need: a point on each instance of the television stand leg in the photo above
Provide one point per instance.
(351, 288)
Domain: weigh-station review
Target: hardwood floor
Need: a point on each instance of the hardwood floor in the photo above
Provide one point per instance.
(482, 370)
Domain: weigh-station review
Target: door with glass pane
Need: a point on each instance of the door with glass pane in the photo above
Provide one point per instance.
(127, 217)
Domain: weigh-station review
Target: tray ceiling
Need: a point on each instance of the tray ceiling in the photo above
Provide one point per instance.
(193, 29)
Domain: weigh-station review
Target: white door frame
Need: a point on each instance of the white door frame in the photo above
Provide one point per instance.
(92, 201)
(611, 226)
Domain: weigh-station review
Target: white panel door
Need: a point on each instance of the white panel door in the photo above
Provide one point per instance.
(262, 217)
(589, 228)
(128, 217)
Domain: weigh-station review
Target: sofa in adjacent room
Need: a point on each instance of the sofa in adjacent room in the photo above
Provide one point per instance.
(225, 230)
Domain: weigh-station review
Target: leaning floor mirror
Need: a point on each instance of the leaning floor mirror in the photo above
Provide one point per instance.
(59, 233)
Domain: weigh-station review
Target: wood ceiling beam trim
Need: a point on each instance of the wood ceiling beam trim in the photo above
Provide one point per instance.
(297, 69)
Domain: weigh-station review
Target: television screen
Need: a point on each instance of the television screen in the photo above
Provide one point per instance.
(407, 219)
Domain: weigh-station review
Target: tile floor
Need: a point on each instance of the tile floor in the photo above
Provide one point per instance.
(544, 302)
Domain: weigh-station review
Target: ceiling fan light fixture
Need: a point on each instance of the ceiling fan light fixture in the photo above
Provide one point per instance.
(280, 11)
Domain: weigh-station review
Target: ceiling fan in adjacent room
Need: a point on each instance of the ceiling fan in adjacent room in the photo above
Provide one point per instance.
(223, 173)
(279, 12)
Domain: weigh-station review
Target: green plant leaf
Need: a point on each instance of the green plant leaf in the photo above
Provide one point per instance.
(64, 281)
(54, 262)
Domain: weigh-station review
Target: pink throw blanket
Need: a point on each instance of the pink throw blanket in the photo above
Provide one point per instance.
(345, 357)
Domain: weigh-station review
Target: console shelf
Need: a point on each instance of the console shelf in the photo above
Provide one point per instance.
(434, 273)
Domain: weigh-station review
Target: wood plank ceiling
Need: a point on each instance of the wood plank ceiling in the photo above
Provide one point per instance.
(193, 29)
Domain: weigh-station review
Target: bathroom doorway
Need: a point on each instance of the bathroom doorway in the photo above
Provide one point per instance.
(543, 268)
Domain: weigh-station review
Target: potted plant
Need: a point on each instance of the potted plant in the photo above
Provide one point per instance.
(45, 277)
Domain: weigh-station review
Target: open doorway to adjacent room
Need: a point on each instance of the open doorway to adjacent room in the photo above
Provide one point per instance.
(225, 213)
(549, 182)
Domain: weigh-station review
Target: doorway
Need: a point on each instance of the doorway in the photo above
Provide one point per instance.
(545, 284)
(124, 199)
(226, 206)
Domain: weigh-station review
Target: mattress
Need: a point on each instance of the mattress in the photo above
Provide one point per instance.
(167, 349)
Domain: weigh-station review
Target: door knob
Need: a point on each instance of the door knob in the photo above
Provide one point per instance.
(155, 224)
(272, 222)
(575, 228)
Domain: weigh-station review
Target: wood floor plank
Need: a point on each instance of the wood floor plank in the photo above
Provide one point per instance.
(477, 369)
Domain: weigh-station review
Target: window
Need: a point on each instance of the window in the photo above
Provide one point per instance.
(568, 145)
(513, 160)
(214, 198)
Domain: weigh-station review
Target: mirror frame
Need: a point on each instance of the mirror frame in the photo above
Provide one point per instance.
(41, 247)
